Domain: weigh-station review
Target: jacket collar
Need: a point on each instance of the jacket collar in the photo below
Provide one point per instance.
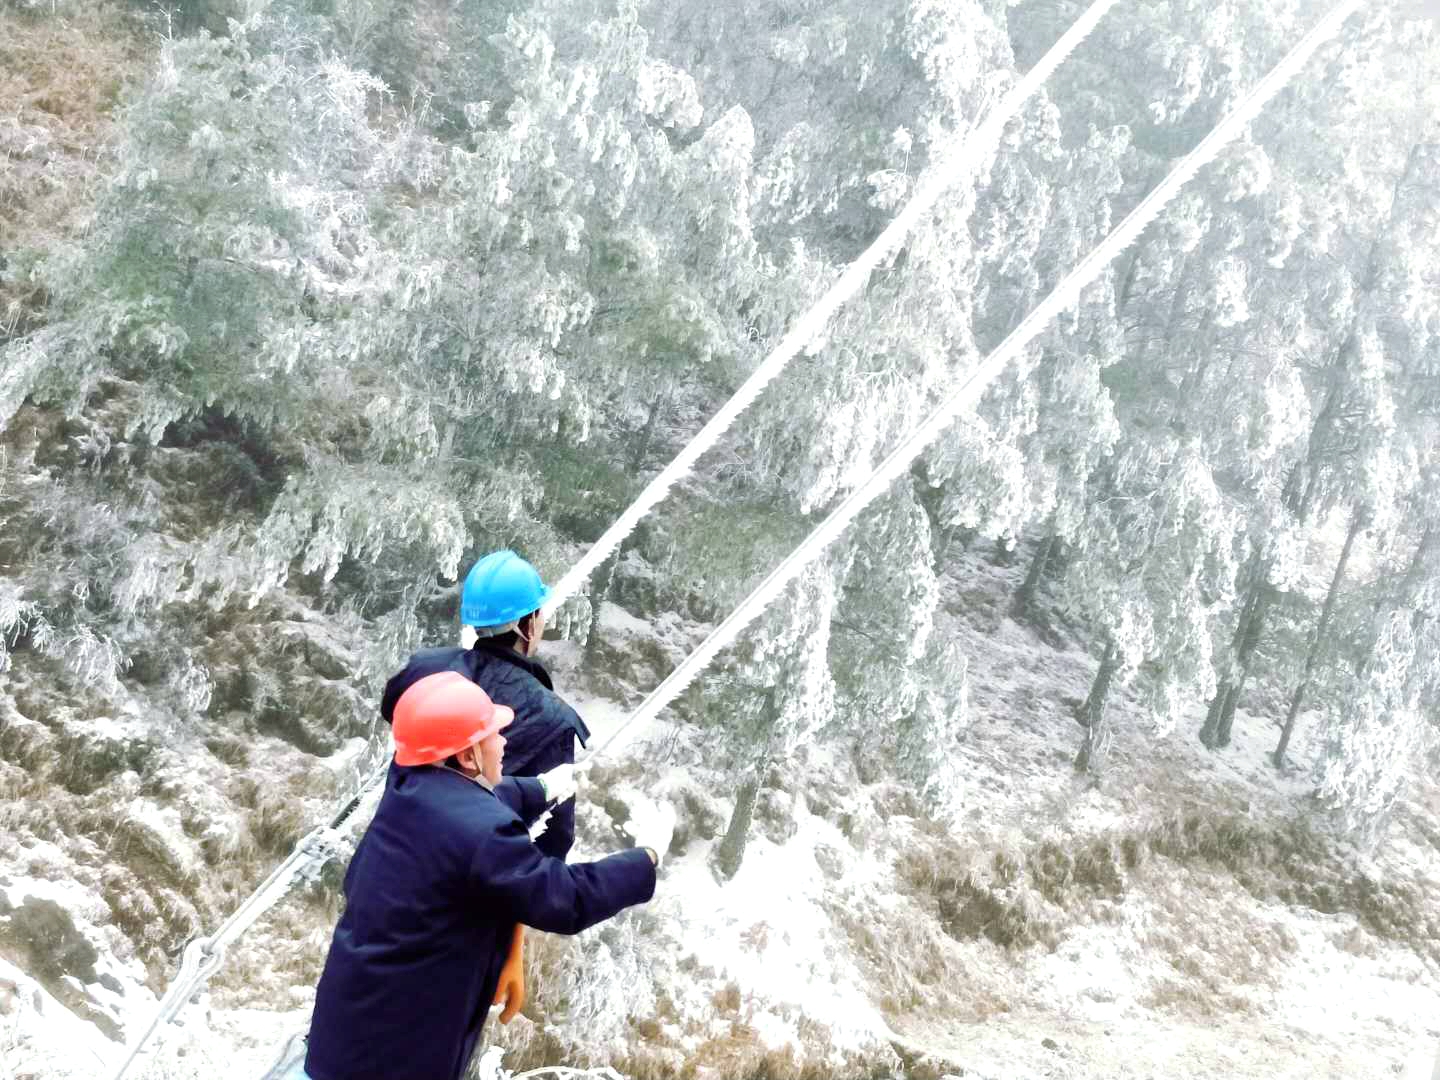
(440, 766)
(493, 648)
(480, 780)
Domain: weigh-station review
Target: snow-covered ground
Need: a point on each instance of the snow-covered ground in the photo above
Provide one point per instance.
(39, 1037)
(830, 947)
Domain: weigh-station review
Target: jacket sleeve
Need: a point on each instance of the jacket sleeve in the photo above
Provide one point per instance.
(511, 878)
(394, 687)
(559, 835)
(523, 794)
(425, 662)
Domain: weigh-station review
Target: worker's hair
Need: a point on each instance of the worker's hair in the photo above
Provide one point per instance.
(507, 634)
(475, 633)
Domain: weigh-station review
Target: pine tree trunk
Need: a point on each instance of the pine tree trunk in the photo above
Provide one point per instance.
(1215, 732)
(731, 852)
(1132, 274)
(1225, 723)
(1095, 745)
(641, 449)
(1024, 604)
(1246, 657)
(1327, 415)
(1301, 489)
(1317, 641)
(603, 580)
(1320, 428)
(1218, 718)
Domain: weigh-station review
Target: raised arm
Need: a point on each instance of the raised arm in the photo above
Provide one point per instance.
(511, 877)
(523, 794)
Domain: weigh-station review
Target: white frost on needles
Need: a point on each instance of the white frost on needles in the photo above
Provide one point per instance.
(954, 164)
(1065, 295)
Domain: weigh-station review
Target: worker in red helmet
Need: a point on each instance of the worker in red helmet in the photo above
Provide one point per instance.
(502, 612)
(438, 882)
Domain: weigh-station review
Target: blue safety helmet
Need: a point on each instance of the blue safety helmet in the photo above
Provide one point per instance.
(500, 589)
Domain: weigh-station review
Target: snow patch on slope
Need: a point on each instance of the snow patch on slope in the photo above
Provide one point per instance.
(40, 1037)
(768, 931)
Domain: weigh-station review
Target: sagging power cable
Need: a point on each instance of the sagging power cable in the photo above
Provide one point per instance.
(954, 163)
(205, 955)
(973, 385)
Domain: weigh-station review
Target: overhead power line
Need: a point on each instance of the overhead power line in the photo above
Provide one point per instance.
(955, 162)
(205, 955)
(967, 395)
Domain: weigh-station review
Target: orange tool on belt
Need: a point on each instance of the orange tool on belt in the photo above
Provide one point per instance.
(511, 989)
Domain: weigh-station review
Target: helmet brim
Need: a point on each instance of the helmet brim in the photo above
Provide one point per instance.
(443, 714)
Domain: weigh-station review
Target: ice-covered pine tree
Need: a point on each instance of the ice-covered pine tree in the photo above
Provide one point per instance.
(1022, 464)
(1384, 727)
(1341, 210)
(774, 693)
(1152, 570)
(232, 216)
(901, 679)
(607, 235)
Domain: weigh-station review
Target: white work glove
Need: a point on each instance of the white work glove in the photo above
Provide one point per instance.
(651, 825)
(560, 783)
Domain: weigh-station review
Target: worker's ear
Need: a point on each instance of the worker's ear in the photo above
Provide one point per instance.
(529, 627)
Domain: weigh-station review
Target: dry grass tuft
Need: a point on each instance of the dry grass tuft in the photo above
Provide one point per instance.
(1021, 899)
(991, 903)
(1292, 863)
(62, 79)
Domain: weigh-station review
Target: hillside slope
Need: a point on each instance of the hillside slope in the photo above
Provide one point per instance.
(1188, 914)
(1176, 920)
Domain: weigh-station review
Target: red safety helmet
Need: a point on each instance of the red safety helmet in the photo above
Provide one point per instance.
(441, 715)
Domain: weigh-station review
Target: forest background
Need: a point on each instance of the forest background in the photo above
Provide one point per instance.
(305, 304)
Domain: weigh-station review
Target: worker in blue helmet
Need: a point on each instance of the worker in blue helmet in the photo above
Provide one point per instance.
(501, 612)
(502, 618)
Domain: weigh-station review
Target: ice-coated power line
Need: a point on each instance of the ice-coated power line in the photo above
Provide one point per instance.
(952, 165)
(1065, 294)
(203, 956)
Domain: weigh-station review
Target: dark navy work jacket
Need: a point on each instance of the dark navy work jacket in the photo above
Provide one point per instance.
(438, 882)
(545, 728)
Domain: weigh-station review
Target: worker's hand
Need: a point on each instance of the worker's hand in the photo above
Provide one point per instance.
(651, 824)
(510, 991)
(560, 783)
